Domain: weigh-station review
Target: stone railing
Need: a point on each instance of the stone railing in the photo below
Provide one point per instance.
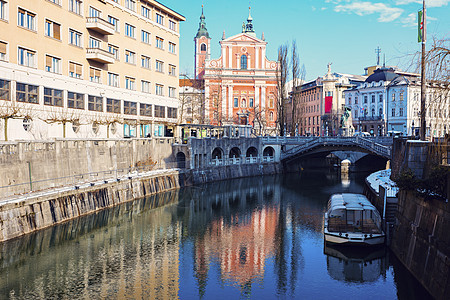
(240, 160)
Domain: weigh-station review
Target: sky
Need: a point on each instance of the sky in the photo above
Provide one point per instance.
(342, 32)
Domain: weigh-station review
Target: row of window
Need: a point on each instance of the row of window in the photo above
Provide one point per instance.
(372, 97)
(27, 58)
(29, 93)
(243, 103)
(27, 19)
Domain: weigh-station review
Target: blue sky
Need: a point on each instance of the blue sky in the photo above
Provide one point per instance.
(343, 32)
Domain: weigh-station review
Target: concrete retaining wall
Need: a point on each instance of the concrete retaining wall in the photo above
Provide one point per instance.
(422, 243)
(58, 163)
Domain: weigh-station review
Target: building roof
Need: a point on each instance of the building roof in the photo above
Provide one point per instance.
(382, 74)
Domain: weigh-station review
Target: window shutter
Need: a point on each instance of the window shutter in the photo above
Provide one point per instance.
(22, 11)
(56, 31)
(97, 73)
(71, 67)
(78, 69)
(92, 72)
(48, 61)
(2, 47)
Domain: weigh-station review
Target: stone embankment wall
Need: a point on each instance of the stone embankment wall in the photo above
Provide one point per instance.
(50, 164)
(421, 237)
(422, 242)
(232, 171)
(23, 216)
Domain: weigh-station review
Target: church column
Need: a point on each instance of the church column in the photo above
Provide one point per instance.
(207, 103)
(257, 96)
(230, 58)
(263, 97)
(238, 65)
(224, 101)
(257, 58)
(223, 56)
(230, 102)
(249, 66)
(263, 58)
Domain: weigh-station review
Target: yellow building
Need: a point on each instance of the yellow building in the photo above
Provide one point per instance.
(88, 68)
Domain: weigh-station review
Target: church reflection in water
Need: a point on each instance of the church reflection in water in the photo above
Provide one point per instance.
(359, 264)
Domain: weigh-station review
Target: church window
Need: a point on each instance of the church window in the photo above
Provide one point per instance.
(203, 47)
(244, 62)
(236, 104)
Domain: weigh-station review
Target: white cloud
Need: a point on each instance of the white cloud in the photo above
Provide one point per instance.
(429, 3)
(411, 20)
(387, 14)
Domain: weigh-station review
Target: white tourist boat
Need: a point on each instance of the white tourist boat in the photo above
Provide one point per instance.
(352, 219)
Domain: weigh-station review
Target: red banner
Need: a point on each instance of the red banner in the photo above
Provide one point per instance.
(328, 104)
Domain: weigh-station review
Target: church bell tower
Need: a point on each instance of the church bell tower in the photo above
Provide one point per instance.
(202, 48)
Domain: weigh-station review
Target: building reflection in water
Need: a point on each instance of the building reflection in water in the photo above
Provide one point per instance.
(359, 264)
(117, 253)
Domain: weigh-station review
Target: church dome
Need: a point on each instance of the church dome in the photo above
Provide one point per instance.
(382, 74)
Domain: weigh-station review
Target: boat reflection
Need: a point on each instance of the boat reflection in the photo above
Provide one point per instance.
(356, 264)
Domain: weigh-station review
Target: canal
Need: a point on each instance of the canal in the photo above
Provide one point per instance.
(258, 238)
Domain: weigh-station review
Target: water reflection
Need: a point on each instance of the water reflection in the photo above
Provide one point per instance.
(253, 238)
(355, 265)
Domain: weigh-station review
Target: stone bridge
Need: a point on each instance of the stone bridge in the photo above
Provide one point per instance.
(296, 147)
(207, 152)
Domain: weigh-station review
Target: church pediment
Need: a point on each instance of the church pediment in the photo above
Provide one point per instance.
(243, 37)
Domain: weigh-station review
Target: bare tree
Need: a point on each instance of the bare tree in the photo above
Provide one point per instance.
(259, 120)
(298, 77)
(281, 77)
(62, 116)
(109, 119)
(13, 110)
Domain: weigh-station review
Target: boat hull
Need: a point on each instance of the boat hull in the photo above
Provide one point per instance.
(353, 239)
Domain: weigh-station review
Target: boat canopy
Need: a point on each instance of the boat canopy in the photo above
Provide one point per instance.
(348, 201)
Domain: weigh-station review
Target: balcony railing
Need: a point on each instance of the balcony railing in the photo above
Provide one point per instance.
(100, 25)
(100, 55)
(371, 118)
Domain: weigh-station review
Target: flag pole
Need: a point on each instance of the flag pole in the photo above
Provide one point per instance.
(423, 126)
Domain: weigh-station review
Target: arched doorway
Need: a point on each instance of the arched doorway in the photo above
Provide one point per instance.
(217, 153)
(235, 152)
(252, 152)
(269, 151)
(181, 160)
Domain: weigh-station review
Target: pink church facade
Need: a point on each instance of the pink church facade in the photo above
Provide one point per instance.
(240, 86)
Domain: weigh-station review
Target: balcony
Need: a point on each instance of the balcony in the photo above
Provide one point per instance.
(372, 118)
(99, 55)
(100, 25)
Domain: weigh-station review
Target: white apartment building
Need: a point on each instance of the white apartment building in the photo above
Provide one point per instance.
(389, 102)
(88, 68)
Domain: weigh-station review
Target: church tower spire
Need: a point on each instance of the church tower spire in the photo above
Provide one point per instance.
(202, 48)
(249, 26)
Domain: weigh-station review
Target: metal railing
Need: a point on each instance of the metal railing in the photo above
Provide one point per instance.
(370, 144)
(100, 21)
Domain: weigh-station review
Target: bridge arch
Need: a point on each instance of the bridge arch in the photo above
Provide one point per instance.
(235, 152)
(181, 160)
(269, 151)
(251, 151)
(217, 153)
